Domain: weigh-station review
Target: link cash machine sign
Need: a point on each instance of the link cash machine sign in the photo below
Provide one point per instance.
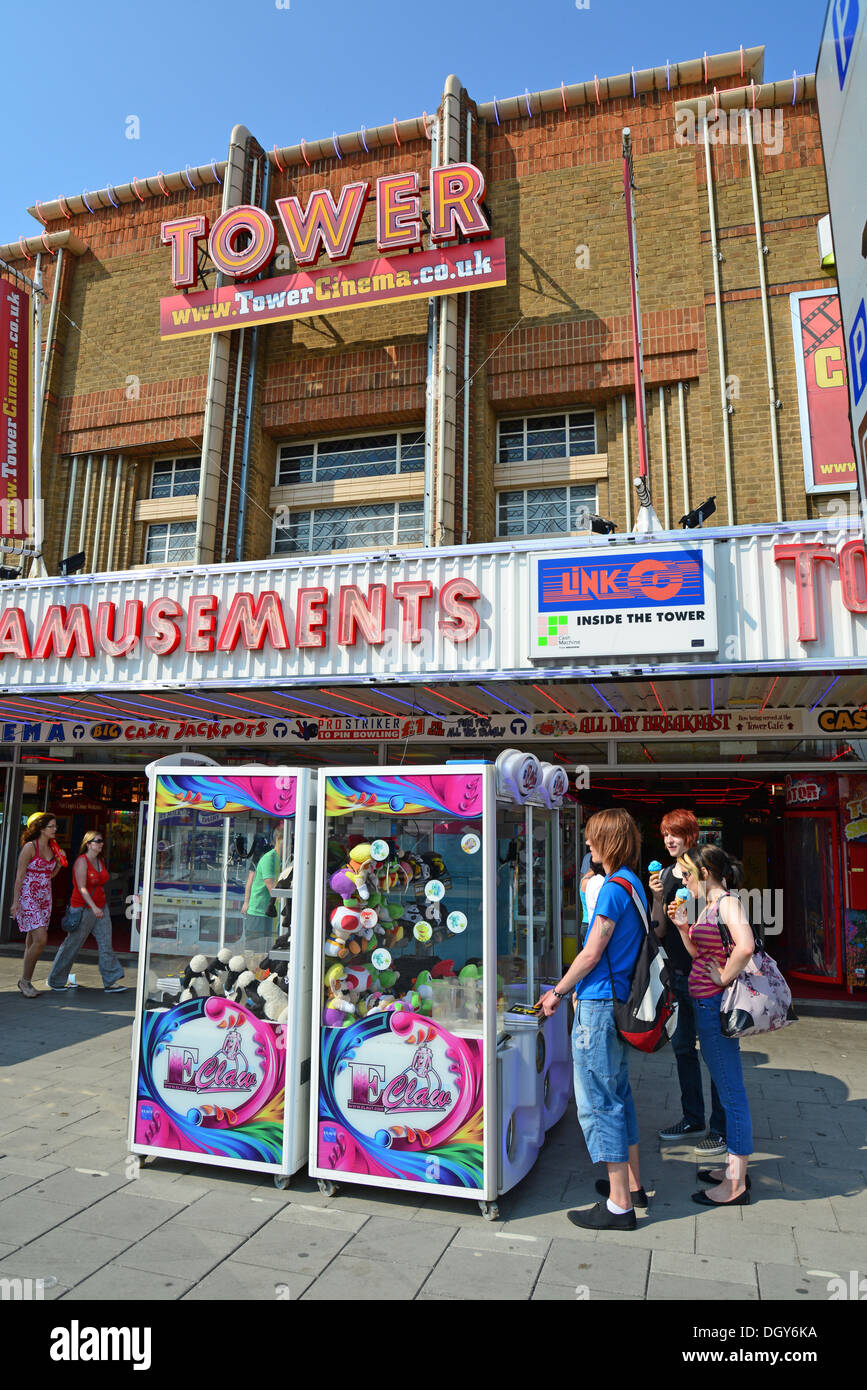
(644, 602)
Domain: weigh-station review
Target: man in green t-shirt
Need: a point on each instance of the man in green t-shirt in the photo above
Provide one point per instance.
(259, 922)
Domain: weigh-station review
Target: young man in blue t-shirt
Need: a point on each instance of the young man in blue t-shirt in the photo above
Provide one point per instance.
(606, 1111)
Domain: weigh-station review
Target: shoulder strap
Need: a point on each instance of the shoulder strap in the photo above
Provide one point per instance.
(630, 888)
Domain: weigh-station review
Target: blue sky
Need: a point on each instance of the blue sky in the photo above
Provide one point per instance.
(190, 70)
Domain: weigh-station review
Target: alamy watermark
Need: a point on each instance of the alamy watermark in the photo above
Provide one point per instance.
(741, 126)
(25, 1290)
(853, 1288)
(762, 907)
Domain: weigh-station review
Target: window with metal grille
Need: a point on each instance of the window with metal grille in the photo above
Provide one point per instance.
(171, 542)
(176, 477)
(364, 456)
(530, 437)
(545, 511)
(375, 527)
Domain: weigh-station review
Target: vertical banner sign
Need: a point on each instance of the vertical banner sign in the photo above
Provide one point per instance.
(841, 94)
(823, 392)
(15, 404)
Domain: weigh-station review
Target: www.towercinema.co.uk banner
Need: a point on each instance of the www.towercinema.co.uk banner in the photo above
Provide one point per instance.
(14, 411)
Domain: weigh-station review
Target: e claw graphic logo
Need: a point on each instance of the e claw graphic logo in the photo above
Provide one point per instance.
(417, 1088)
(226, 1070)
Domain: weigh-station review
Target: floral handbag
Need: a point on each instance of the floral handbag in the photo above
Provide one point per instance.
(759, 1000)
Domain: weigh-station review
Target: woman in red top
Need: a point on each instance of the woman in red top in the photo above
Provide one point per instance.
(39, 861)
(89, 877)
(711, 875)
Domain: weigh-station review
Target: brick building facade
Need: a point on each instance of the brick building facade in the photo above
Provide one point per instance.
(555, 339)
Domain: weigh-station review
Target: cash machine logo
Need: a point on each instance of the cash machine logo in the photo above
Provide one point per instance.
(652, 580)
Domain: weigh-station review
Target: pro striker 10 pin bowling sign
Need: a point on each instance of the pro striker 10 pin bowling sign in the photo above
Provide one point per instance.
(241, 243)
(635, 603)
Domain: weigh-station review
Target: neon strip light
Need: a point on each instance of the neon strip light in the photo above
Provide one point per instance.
(658, 701)
(496, 111)
(364, 139)
(336, 143)
(563, 94)
(499, 699)
(553, 701)
(23, 248)
(304, 152)
(188, 179)
(602, 697)
(394, 128)
(86, 203)
(414, 705)
(135, 190)
(527, 99)
(438, 695)
(214, 171)
(362, 704)
(162, 183)
(770, 693)
(823, 694)
(280, 166)
(108, 192)
(647, 755)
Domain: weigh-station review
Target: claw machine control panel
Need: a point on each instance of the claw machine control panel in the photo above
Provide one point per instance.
(222, 1034)
(437, 927)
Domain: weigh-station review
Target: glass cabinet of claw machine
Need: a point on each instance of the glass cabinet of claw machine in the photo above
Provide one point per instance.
(222, 1033)
(436, 929)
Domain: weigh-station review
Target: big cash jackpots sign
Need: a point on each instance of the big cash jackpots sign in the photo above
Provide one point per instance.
(841, 94)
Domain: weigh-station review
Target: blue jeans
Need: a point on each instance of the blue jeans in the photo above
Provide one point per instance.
(688, 1067)
(110, 967)
(723, 1058)
(600, 1065)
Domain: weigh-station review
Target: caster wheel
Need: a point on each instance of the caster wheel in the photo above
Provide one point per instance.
(328, 1188)
(490, 1211)
(281, 1182)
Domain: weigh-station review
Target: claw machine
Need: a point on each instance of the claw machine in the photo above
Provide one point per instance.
(221, 1043)
(437, 928)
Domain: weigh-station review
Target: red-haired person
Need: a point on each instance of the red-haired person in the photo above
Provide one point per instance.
(40, 859)
(601, 971)
(679, 830)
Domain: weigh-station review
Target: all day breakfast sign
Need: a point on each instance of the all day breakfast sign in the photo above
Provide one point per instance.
(241, 244)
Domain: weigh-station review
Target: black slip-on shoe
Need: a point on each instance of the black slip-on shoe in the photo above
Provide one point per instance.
(599, 1218)
(705, 1201)
(638, 1194)
(705, 1175)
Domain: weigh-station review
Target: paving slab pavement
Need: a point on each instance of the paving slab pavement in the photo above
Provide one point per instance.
(75, 1211)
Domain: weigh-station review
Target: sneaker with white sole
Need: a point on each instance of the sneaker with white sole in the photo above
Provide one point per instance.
(682, 1130)
(61, 989)
(711, 1146)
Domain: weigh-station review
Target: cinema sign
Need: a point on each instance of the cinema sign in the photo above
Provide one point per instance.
(241, 243)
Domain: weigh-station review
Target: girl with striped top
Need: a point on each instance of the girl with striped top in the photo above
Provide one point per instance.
(711, 876)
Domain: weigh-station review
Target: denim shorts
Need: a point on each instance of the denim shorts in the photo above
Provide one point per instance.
(723, 1058)
(600, 1065)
